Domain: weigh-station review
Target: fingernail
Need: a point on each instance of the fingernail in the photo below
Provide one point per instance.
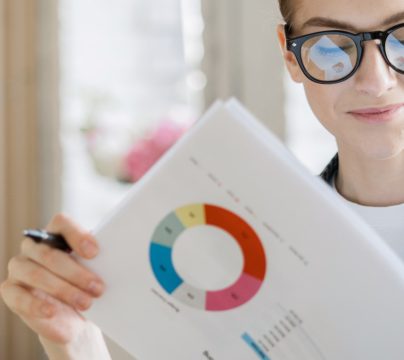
(96, 287)
(82, 302)
(89, 248)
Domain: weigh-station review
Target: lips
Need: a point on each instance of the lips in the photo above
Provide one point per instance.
(377, 110)
(379, 114)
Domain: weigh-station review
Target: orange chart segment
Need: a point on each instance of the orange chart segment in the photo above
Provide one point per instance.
(254, 255)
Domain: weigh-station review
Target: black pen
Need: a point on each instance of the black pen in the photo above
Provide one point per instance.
(56, 241)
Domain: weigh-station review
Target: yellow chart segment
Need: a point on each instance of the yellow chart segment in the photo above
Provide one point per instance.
(191, 215)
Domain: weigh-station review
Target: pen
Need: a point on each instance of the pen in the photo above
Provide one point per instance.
(56, 241)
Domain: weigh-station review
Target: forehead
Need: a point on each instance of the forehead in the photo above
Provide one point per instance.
(362, 15)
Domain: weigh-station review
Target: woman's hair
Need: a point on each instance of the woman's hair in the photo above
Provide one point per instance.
(287, 10)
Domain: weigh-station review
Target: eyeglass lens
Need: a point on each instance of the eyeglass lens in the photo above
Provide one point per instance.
(333, 57)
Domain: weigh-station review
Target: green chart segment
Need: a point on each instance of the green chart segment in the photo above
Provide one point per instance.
(183, 218)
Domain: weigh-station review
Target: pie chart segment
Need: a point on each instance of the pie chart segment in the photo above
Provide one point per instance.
(254, 255)
(237, 294)
(160, 257)
(191, 215)
(190, 295)
(168, 230)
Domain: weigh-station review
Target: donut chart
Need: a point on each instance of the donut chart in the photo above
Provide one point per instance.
(183, 218)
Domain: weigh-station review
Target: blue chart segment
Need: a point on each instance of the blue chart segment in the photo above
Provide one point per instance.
(183, 218)
(163, 267)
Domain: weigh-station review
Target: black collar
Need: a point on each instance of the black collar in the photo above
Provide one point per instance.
(330, 170)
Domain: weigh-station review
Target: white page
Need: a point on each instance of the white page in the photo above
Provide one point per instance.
(315, 282)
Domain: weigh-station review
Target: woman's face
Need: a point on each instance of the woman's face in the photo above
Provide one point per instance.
(374, 85)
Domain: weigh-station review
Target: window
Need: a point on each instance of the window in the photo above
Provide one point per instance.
(126, 65)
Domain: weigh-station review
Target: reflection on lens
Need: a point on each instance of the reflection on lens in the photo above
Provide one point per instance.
(329, 57)
(395, 48)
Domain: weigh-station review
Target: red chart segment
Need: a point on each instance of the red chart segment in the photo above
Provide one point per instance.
(251, 246)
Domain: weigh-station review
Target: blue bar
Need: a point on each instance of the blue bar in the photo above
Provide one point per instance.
(249, 340)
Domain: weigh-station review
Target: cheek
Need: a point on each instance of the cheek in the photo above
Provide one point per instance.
(330, 103)
(323, 101)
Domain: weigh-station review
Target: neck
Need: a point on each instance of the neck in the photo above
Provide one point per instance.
(369, 181)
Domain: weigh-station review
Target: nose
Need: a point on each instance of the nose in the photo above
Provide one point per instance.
(374, 76)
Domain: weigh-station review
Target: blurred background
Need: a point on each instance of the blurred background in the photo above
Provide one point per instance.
(93, 92)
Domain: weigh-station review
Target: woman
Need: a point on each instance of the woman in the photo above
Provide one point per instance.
(359, 102)
(357, 93)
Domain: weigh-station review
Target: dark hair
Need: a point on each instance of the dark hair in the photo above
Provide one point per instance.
(286, 9)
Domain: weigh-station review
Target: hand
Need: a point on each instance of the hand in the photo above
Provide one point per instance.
(48, 288)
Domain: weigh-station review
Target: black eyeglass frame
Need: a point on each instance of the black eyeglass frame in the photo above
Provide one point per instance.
(294, 44)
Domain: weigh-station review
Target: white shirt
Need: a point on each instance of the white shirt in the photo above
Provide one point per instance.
(387, 221)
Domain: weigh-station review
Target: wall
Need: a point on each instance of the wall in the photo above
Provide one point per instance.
(242, 57)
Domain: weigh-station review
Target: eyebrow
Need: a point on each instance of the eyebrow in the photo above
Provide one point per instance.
(326, 22)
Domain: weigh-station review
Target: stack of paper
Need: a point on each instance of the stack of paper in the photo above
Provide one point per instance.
(229, 249)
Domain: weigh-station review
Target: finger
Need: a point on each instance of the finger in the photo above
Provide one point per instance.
(22, 302)
(24, 270)
(81, 241)
(63, 265)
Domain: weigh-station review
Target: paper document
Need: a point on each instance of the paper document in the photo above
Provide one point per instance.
(229, 249)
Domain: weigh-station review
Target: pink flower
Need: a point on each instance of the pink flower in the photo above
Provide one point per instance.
(148, 150)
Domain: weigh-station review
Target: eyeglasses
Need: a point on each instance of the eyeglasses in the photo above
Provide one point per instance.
(329, 57)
